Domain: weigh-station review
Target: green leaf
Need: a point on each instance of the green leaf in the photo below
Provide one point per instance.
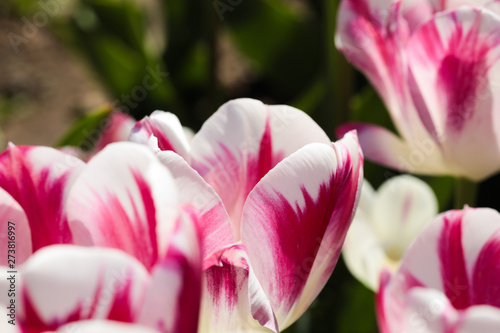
(368, 107)
(82, 131)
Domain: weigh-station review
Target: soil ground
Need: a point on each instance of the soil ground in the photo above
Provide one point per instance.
(44, 88)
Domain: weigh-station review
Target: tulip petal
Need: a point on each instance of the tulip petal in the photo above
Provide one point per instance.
(38, 179)
(453, 61)
(242, 141)
(13, 219)
(384, 147)
(457, 254)
(493, 5)
(124, 198)
(484, 319)
(403, 206)
(165, 126)
(232, 295)
(172, 302)
(429, 311)
(381, 233)
(373, 35)
(294, 231)
(486, 273)
(386, 305)
(214, 222)
(362, 252)
(423, 260)
(117, 128)
(103, 326)
(426, 310)
(416, 12)
(65, 283)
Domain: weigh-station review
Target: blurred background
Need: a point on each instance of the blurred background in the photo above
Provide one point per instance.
(60, 60)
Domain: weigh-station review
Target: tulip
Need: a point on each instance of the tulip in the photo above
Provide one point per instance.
(136, 257)
(448, 279)
(62, 284)
(276, 199)
(385, 224)
(435, 65)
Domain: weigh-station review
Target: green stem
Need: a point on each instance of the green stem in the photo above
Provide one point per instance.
(465, 193)
(339, 74)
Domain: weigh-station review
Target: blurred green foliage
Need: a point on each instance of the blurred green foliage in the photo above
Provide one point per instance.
(80, 131)
(287, 53)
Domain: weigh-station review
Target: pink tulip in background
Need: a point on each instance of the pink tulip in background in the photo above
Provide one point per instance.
(448, 279)
(436, 66)
(135, 261)
(115, 127)
(275, 199)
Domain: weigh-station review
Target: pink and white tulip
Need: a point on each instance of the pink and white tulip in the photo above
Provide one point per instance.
(276, 197)
(448, 279)
(117, 128)
(436, 66)
(141, 260)
(385, 224)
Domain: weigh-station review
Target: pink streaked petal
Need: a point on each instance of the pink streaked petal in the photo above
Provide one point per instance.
(242, 141)
(391, 300)
(481, 243)
(456, 257)
(383, 320)
(487, 273)
(13, 218)
(118, 127)
(232, 295)
(214, 222)
(457, 254)
(103, 326)
(417, 12)
(477, 237)
(172, 301)
(454, 62)
(302, 224)
(452, 260)
(422, 261)
(66, 283)
(126, 199)
(372, 35)
(38, 179)
(384, 147)
(165, 126)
